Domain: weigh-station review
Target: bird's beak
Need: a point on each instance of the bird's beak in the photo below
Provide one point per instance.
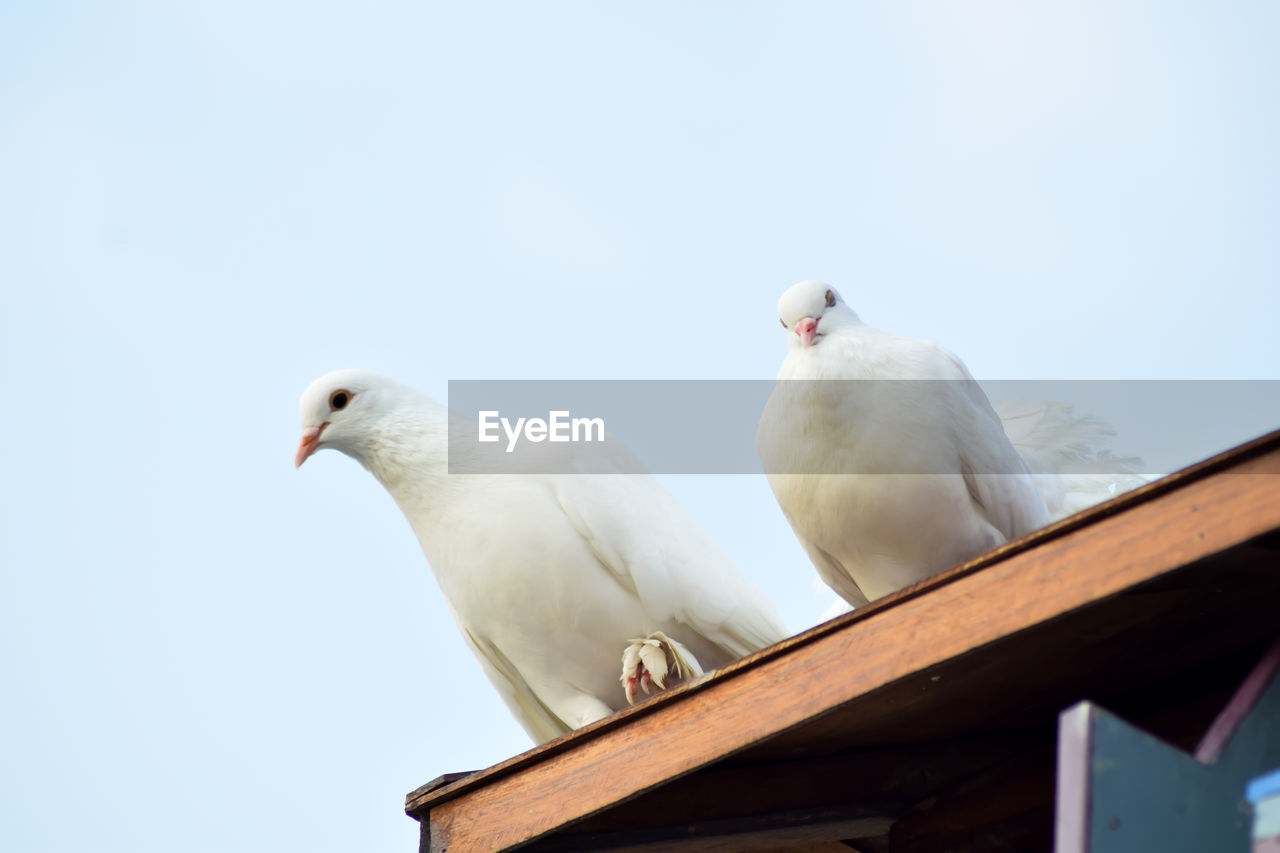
(807, 328)
(310, 439)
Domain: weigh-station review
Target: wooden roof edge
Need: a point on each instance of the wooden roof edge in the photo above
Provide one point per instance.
(451, 785)
(1157, 538)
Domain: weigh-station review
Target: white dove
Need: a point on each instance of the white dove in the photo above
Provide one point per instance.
(547, 576)
(886, 483)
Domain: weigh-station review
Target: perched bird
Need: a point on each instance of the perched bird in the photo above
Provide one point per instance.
(547, 576)
(888, 482)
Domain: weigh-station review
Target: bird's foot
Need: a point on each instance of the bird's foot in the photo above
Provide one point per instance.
(654, 663)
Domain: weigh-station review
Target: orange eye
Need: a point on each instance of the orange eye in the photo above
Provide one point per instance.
(831, 298)
(338, 399)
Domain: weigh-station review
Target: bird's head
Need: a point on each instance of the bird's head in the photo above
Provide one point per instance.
(341, 409)
(811, 309)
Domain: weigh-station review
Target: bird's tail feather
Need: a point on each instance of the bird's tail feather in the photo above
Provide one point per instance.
(1068, 454)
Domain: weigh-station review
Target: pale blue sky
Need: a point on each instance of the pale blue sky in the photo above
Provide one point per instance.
(205, 205)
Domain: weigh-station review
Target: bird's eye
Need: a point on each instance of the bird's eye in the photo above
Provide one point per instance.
(831, 298)
(338, 399)
(783, 322)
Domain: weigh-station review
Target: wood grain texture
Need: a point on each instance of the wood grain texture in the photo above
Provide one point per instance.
(1165, 526)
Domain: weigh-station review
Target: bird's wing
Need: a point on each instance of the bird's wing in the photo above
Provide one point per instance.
(835, 575)
(648, 543)
(996, 476)
(536, 718)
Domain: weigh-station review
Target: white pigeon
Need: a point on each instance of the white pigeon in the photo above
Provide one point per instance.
(886, 483)
(547, 576)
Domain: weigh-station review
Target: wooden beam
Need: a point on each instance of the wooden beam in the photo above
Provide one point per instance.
(822, 825)
(767, 796)
(1016, 791)
(1129, 541)
(907, 772)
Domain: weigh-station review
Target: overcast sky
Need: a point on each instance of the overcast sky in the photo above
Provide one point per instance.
(206, 205)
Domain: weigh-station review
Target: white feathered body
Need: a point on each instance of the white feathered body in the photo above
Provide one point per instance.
(549, 576)
(889, 482)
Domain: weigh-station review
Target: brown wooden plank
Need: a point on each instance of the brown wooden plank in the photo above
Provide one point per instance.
(433, 793)
(440, 781)
(952, 784)
(822, 825)
(1152, 647)
(615, 760)
(902, 774)
(1230, 460)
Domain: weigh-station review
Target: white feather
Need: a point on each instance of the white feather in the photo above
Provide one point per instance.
(1068, 455)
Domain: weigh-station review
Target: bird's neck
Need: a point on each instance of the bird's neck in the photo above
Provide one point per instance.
(408, 452)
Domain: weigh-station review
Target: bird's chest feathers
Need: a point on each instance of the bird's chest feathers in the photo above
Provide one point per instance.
(821, 427)
(496, 556)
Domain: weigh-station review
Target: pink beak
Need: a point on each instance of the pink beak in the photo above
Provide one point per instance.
(807, 328)
(310, 438)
